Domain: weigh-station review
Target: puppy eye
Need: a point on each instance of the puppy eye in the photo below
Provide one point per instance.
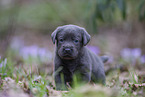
(76, 41)
(61, 40)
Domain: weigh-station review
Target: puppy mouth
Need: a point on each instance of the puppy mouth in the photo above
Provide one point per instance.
(67, 54)
(67, 57)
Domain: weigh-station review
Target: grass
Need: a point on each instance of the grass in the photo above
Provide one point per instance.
(16, 77)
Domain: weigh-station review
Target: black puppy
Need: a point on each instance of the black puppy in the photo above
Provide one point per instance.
(73, 58)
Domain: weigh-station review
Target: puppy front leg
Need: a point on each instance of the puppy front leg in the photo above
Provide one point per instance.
(59, 78)
(83, 77)
(60, 85)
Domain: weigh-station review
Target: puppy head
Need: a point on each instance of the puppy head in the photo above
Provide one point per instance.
(70, 39)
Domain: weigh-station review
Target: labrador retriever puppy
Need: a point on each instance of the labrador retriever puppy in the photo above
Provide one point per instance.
(72, 57)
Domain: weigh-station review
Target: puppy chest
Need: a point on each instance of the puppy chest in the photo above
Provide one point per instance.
(69, 68)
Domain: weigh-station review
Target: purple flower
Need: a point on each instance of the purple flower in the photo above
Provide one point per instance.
(142, 59)
(126, 53)
(94, 49)
(29, 51)
(131, 55)
(136, 52)
(111, 59)
(34, 52)
(44, 54)
(3, 63)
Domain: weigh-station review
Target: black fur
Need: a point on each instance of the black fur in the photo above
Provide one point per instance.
(72, 57)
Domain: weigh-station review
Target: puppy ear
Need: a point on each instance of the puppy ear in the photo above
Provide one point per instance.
(53, 35)
(86, 37)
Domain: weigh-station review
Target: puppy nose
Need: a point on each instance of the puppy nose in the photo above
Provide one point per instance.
(67, 50)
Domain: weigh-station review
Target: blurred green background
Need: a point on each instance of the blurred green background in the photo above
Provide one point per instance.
(120, 21)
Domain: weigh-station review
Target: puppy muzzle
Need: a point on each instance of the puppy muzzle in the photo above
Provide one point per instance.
(67, 53)
(67, 50)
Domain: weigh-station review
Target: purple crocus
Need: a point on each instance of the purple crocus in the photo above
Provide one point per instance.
(29, 51)
(131, 55)
(111, 59)
(94, 49)
(44, 54)
(136, 52)
(3, 63)
(34, 52)
(126, 54)
(142, 59)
